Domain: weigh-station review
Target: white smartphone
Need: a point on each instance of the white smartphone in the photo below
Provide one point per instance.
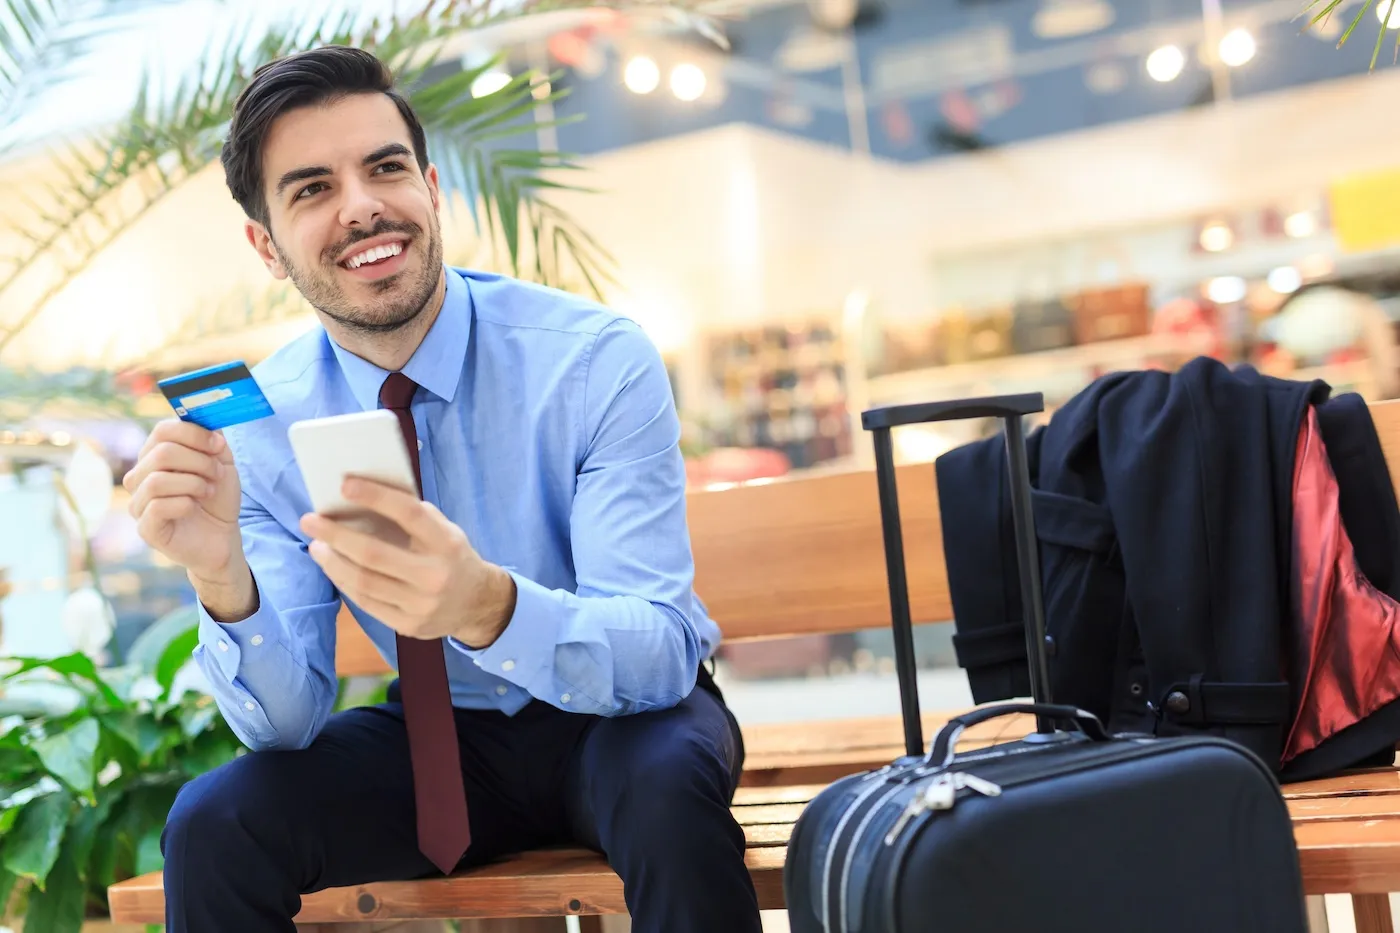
(367, 444)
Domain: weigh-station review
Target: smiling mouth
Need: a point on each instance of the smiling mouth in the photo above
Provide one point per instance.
(373, 256)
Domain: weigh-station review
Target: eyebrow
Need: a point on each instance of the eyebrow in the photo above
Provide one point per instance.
(319, 171)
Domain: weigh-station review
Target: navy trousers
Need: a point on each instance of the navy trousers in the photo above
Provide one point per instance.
(650, 791)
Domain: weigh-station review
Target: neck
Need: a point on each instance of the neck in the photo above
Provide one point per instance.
(391, 351)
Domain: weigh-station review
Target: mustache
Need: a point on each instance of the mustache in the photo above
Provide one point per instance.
(406, 227)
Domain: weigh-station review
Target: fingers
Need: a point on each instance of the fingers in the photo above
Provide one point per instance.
(185, 434)
(160, 515)
(416, 517)
(173, 457)
(373, 590)
(366, 550)
(165, 485)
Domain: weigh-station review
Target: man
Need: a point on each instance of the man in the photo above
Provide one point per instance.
(542, 618)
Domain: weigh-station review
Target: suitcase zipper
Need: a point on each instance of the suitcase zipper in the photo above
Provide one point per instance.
(875, 785)
(949, 784)
(940, 794)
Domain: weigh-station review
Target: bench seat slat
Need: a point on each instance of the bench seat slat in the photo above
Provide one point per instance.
(545, 883)
(762, 796)
(1342, 850)
(1369, 781)
(1359, 807)
(768, 813)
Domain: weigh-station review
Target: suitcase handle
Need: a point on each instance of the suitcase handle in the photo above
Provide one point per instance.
(946, 742)
(1010, 408)
(991, 406)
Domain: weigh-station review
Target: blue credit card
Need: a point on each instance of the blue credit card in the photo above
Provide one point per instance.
(217, 397)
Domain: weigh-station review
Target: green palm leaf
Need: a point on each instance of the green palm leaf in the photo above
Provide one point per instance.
(42, 43)
(1325, 8)
(170, 135)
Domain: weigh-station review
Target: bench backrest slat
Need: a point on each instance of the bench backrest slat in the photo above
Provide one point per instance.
(805, 556)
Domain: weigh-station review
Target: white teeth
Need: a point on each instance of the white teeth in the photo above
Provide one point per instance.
(373, 254)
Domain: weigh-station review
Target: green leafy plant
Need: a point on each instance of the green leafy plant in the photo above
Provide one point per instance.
(1392, 16)
(89, 771)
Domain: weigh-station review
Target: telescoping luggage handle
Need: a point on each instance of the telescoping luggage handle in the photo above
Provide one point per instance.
(1011, 409)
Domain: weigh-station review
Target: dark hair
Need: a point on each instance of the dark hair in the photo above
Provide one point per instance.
(305, 79)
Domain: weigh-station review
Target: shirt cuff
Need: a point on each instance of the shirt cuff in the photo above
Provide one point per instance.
(230, 643)
(525, 649)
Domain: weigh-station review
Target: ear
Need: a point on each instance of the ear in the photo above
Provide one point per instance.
(434, 191)
(261, 240)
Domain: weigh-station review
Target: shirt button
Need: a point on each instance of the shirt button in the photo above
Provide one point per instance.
(565, 698)
(249, 706)
(476, 661)
(501, 690)
(223, 645)
(256, 640)
(420, 443)
(507, 665)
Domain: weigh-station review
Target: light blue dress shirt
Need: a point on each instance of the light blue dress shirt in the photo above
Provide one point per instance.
(548, 433)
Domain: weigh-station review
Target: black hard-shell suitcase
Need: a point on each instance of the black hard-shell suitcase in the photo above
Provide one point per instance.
(1068, 829)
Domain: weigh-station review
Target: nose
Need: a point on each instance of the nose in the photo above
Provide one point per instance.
(359, 207)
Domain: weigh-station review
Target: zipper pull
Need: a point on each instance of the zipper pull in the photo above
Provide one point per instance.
(981, 785)
(938, 794)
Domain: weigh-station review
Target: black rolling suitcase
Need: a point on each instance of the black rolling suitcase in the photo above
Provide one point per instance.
(1068, 829)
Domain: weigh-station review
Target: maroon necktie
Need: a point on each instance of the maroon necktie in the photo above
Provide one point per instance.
(438, 793)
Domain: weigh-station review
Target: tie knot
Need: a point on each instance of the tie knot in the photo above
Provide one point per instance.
(397, 391)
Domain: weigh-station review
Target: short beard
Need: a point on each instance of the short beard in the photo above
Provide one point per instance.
(397, 311)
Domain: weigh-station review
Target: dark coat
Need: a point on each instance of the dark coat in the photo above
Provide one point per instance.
(1163, 510)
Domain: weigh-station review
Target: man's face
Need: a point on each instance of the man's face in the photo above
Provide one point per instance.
(352, 220)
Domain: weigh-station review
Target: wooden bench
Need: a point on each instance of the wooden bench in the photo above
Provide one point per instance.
(804, 556)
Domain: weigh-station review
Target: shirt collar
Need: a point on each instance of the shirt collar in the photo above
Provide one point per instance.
(437, 363)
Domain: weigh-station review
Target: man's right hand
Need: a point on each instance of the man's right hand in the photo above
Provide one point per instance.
(185, 498)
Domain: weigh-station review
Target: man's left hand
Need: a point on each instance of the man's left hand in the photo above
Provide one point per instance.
(433, 586)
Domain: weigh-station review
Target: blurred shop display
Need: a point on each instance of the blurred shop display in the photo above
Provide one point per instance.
(1336, 334)
(781, 387)
(960, 335)
(77, 575)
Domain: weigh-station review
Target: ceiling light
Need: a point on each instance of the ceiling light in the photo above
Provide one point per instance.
(1285, 280)
(1300, 224)
(1217, 237)
(1383, 11)
(1227, 289)
(641, 75)
(1165, 64)
(1064, 19)
(687, 81)
(1236, 47)
(835, 15)
(489, 82)
(1329, 27)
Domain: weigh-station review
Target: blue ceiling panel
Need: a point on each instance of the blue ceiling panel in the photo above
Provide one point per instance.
(943, 76)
